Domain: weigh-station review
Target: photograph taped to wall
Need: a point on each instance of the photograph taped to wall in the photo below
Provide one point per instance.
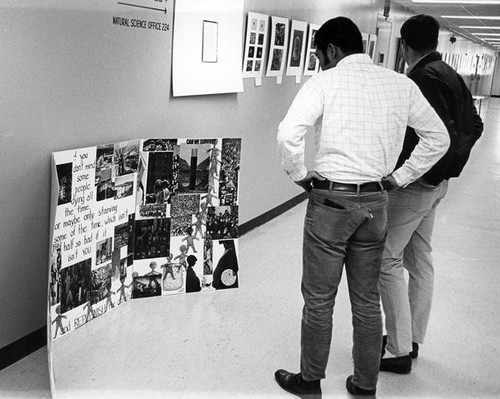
(297, 48)
(118, 235)
(208, 66)
(255, 44)
(372, 45)
(278, 46)
(311, 64)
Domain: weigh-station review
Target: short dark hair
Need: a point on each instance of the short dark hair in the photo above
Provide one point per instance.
(421, 32)
(340, 32)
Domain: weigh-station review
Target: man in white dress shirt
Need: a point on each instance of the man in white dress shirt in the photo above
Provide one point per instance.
(364, 110)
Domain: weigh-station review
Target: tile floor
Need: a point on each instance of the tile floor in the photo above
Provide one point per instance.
(228, 344)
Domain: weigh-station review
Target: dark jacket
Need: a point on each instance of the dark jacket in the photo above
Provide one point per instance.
(449, 96)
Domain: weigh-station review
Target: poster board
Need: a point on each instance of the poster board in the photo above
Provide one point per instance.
(255, 45)
(297, 48)
(311, 65)
(141, 218)
(278, 47)
(206, 47)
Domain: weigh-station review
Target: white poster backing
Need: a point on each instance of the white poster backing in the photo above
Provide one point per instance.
(278, 47)
(255, 45)
(311, 61)
(297, 48)
(206, 47)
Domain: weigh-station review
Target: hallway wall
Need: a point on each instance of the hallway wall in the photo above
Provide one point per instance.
(70, 79)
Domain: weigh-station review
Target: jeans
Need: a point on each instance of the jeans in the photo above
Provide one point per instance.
(407, 307)
(343, 228)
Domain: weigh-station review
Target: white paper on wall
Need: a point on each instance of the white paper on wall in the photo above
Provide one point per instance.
(297, 48)
(207, 46)
(311, 64)
(278, 47)
(255, 45)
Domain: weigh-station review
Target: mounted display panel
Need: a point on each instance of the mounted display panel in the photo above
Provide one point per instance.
(140, 218)
(207, 46)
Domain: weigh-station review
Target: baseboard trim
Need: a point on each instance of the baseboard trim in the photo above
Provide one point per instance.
(30, 343)
(23, 347)
(273, 213)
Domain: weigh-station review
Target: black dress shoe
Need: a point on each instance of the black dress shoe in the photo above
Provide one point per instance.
(414, 352)
(398, 365)
(355, 390)
(294, 383)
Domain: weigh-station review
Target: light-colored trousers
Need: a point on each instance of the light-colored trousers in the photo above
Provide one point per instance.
(411, 212)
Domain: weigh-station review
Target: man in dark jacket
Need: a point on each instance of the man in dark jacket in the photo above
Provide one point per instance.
(412, 209)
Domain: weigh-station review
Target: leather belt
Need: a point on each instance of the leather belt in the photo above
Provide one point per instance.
(370, 187)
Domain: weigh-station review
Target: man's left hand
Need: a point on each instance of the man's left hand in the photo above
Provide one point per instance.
(306, 182)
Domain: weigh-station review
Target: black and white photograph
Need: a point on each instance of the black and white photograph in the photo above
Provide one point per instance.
(64, 179)
(75, 285)
(255, 36)
(150, 145)
(194, 162)
(297, 50)
(226, 267)
(279, 34)
(124, 186)
(185, 205)
(180, 225)
(104, 250)
(277, 60)
(160, 177)
(152, 237)
(229, 171)
(297, 43)
(105, 185)
(222, 222)
(122, 235)
(126, 157)
(101, 283)
(153, 211)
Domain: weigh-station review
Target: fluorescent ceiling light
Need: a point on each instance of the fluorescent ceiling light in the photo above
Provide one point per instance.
(479, 27)
(487, 34)
(470, 17)
(458, 2)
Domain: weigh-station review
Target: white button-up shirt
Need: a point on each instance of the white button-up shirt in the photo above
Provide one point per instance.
(365, 110)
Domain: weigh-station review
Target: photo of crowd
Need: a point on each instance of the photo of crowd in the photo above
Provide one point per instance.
(185, 204)
(222, 222)
(180, 225)
(152, 238)
(230, 166)
(159, 145)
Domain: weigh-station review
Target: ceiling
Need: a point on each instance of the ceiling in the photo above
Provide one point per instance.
(485, 31)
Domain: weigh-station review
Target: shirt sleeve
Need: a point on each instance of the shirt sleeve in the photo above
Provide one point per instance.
(305, 110)
(434, 139)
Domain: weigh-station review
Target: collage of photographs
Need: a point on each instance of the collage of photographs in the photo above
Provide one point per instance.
(141, 218)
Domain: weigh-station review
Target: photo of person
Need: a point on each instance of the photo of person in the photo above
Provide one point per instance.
(64, 179)
(192, 280)
(253, 37)
(226, 272)
(159, 178)
(251, 52)
(279, 38)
